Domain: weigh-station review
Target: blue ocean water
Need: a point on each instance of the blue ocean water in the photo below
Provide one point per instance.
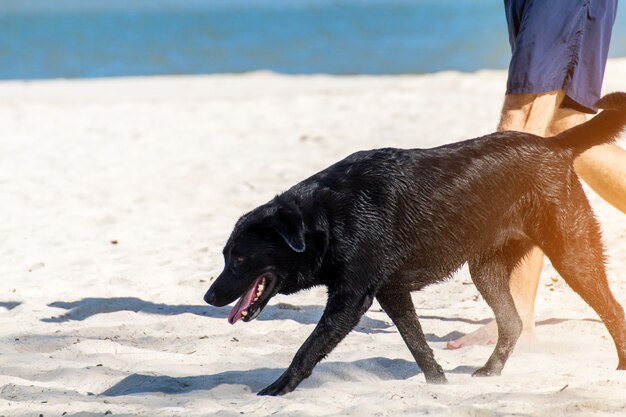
(100, 38)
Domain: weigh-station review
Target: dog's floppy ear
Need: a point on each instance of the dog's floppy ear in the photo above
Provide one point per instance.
(289, 224)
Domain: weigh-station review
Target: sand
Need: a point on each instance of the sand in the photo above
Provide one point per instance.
(117, 195)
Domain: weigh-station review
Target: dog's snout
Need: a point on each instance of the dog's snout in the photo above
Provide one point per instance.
(209, 297)
(222, 291)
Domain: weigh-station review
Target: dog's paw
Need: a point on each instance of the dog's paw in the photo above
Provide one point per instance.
(282, 386)
(484, 372)
(436, 379)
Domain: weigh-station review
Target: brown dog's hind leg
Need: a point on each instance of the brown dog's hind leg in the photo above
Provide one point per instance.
(491, 277)
(397, 303)
(575, 249)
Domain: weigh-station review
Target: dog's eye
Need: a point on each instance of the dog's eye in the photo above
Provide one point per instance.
(239, 260)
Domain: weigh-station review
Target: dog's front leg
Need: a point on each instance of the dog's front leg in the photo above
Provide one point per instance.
(341, 315)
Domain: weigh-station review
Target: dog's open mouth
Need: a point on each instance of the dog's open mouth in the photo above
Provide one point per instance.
(250, 304)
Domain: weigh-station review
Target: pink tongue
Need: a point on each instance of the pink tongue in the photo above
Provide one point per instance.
(244, 302)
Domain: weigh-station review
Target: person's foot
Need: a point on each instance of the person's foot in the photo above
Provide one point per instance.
(485, 335)
(488, 335)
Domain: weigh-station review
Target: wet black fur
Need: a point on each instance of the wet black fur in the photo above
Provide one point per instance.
(385, 222)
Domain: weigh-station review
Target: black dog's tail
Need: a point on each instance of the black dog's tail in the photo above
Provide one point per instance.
(603, 128)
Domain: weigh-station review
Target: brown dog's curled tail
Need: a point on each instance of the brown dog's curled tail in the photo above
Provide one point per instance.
(606, 127)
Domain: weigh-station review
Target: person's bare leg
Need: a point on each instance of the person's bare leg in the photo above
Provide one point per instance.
(602, 167)
(565, 119)
(541, 114)
(531, 113)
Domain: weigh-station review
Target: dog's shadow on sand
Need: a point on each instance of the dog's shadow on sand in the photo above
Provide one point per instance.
(304, 314)
(256, 379)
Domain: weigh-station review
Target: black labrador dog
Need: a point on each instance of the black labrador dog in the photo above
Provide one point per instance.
(385, 222)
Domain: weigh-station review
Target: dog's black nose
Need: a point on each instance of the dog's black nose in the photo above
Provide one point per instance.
(209, 297)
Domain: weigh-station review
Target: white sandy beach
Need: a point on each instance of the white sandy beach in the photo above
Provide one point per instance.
(117, 195)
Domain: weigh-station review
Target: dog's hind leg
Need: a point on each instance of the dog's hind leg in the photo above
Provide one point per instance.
(397, 303)
(575, 248)
(491, 276)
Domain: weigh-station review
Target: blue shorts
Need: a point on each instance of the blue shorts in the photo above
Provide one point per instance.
(560, 45)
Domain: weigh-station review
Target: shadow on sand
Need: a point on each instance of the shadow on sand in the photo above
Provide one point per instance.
(304, 314)
(9, 305)
(256, 379)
